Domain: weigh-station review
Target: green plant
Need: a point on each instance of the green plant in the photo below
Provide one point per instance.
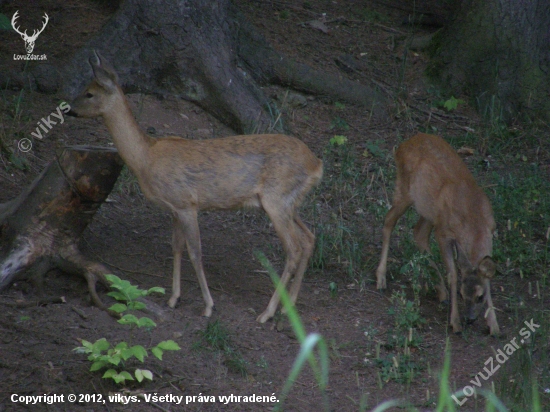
(338, 140)
(339, 124)
(406, 312)
(262, 363)
(450, 104)
(216, 336)
(375, 149)
(333, 288)
(103, 354)
(400, 369)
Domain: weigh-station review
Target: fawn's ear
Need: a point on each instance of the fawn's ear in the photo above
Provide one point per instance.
(487, 267)
(104, 73)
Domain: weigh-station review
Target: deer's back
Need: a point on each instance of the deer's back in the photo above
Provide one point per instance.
(443, 190)
(228, 172)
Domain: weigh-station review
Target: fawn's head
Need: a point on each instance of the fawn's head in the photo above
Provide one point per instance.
(101, 94)
(475, 286)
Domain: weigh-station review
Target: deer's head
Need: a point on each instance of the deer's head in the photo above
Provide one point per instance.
(101, 94)
(475, 285)
(29, 40)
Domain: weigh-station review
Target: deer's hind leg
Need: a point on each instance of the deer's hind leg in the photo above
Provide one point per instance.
(287, 230)
(308, 243)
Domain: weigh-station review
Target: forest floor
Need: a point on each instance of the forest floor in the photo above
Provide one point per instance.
(231, 353)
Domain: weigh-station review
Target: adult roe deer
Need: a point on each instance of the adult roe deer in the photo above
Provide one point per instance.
(271, 171)
(432, 177)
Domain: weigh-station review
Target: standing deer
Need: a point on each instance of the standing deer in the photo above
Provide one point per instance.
(29, 40)
(271, 171)
(432, 177)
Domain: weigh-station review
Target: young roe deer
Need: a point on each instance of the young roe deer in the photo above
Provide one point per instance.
(270, 171)
(432, 177)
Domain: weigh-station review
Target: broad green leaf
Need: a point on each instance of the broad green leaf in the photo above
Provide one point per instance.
(115, 360)
(97, 366)
(145, 322)
(119, 307)
(101, 345)
(118, 296)
(157, 352)
(139, 352)
(126, 375)
(128, 319)
(113, 278)
(168, 345)
(143, 373)
(118, 379)
(109, 373)
(156, 289)
(86, 344)
(136, 305)
(121, 346)
(127, 354)
(139, 375)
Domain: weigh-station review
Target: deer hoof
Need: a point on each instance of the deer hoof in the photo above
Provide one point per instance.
(207, 312)
(264, 317)
(173, 302)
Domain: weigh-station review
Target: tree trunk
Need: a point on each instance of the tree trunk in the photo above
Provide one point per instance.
(496, 51)
(39, 230)
(205, 52)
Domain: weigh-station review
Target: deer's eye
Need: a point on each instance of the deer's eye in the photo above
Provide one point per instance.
(480, 299)
(89, 95)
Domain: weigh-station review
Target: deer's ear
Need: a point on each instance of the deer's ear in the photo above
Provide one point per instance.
(104, 74)
(487, 267)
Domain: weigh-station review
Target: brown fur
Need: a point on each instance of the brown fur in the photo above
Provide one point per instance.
(274, 172)
(432, 177)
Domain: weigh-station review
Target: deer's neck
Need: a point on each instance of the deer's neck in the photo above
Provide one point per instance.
(132, 144)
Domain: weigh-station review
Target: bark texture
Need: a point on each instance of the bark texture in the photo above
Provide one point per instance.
(497, 52)
(40, 229)
(205, 52)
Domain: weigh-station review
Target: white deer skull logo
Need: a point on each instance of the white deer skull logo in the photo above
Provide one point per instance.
(29, 40)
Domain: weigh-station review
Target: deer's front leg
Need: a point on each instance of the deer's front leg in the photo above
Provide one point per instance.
(446, 247)
(178, 243)
(190, 227)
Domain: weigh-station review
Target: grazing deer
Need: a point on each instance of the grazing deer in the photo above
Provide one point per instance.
(29, 40)
(432, 177)
(271, 171)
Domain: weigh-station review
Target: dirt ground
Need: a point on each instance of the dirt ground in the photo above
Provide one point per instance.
(132, 237)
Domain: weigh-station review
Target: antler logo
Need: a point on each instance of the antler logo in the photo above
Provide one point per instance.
(29, 40)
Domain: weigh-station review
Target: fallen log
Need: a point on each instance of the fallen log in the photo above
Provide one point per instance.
(40, 229)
